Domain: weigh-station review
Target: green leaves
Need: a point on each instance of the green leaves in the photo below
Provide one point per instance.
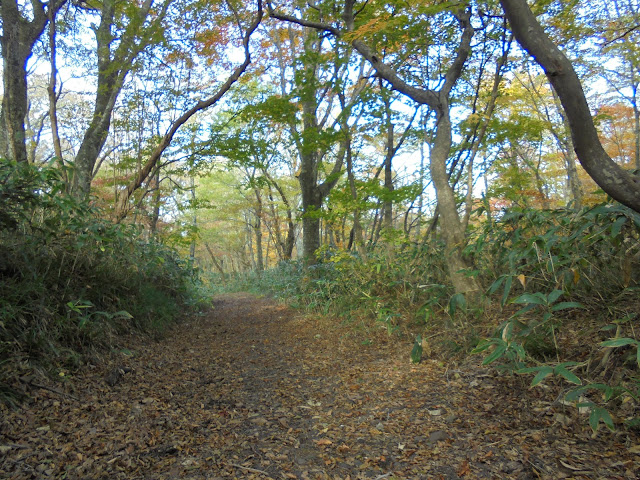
(513, 353)
(545, 371)
(621, 342)
(533, 300)
(457, 302)
(597, 414)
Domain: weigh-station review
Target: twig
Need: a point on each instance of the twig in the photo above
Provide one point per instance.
(17, 446)
(383, 476)
(254, 470)
(54, 390)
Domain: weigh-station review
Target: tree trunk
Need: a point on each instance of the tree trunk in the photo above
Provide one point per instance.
(53, 98)
(289, 241)
(215, 262)
(157, 197)
(622, 185)
(387, 204)
(18, 38)
(115, 61)
(636, 126)
(452, 228)
(313, 193)
(437, 100)
(311, 205)
(356, 237)
(110, 81)
(258, 232)
(194, 224)
(568, 152)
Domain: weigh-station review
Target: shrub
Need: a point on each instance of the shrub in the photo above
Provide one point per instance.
(70, 281)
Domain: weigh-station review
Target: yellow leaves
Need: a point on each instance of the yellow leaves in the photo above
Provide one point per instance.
(210, 43)
(323, 442)
(369, 28)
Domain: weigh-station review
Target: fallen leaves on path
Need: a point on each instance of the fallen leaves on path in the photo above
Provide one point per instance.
(254, 390)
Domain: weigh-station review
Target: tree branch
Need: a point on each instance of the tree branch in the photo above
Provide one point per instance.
(122, 208)
(622, 185)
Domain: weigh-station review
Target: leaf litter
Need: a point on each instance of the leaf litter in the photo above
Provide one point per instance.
(255, 390)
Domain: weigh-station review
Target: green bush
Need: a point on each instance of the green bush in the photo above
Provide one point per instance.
(589, 258)
(70, 281)
(591, 255)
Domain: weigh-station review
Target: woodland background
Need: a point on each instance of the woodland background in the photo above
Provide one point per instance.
(401, 165)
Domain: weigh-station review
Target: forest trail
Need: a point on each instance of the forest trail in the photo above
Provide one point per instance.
(255, 390)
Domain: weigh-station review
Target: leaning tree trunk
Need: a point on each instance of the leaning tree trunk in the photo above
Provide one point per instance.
(622, 185)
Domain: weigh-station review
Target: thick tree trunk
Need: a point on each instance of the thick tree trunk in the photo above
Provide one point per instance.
(622, 185)
(311, 205)
(452, 228)
(309, 155)
(17, 40)
(310, 238)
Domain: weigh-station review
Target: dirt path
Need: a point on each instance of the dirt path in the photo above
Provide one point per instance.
(255, 390)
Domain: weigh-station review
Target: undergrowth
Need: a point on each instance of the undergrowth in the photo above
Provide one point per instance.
(71, 281)
(561, 299)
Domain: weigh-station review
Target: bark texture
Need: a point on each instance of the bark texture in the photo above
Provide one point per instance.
(19, 35)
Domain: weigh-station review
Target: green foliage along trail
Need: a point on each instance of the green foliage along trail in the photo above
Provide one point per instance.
(72, 282)
(404, 169)
(253, 390)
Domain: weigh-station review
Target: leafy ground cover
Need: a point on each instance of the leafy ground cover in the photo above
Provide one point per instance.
(256, 390)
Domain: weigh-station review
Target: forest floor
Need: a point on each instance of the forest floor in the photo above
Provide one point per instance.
(256, 390)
